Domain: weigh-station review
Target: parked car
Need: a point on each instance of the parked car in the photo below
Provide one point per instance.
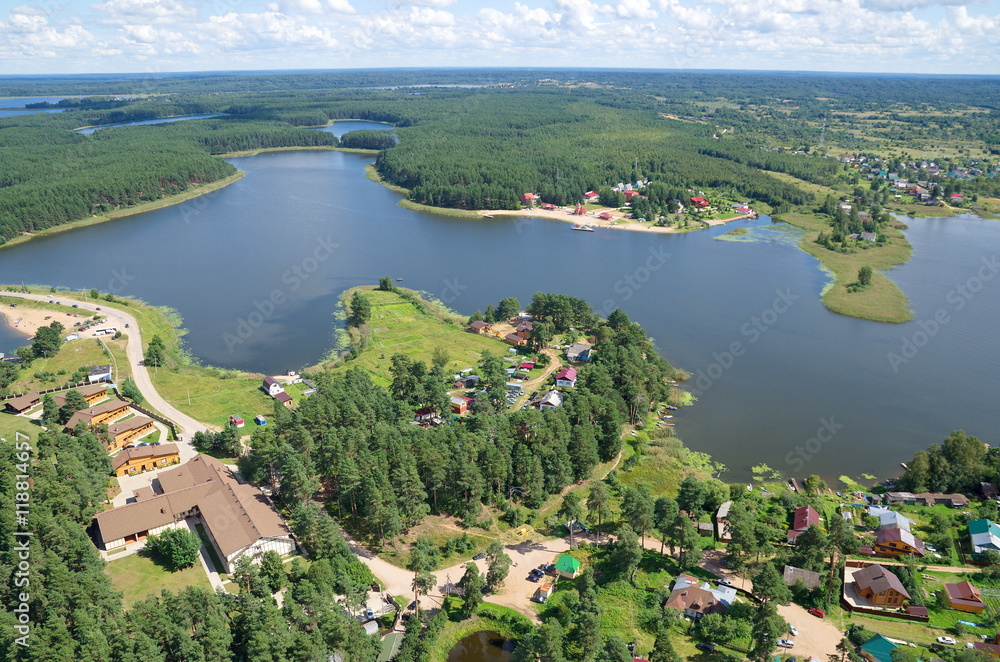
(369, 614)
(725, 582)
(478, 556)
(785, 643)
(816, 611)
(533, 578)
(705, 646)
(792, 630)
(946, 640)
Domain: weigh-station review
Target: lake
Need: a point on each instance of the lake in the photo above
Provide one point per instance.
(159, 120)
(15, 105)
(483, 646)
(780, 379)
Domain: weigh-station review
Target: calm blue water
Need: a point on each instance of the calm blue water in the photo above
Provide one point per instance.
(15, 105)
(158, 120)
(256, 270)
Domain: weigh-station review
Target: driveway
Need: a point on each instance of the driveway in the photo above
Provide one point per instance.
(516, 592)
(817, 637)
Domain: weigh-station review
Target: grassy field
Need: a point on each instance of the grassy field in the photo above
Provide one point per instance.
(397, 327)
(11, 424)
(137, 576)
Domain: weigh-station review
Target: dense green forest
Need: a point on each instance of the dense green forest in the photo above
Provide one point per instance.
(480, 138)
(355, 442)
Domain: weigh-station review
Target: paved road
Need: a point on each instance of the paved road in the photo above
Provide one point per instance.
(134, 352)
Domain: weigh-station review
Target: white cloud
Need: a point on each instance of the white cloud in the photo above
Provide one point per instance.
(317, 6)
(145, 11)
(267, 30)
(440, 4)
(640, 9)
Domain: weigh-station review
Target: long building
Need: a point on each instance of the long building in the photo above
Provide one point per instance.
(239, 519)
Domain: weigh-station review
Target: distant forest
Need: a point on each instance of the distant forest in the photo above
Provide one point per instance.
(481, 138)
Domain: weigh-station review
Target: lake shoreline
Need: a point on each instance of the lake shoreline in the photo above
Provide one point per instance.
(168, 201)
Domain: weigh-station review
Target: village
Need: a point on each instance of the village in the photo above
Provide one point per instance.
(615, 209)
(910, 571)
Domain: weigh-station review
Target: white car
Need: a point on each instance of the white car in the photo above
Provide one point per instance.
(786, 643)
(725, 582)
(792, 630)
(946, 640)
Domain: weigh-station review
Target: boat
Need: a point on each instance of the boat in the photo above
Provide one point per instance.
(671, 407)
(399, 280)
(583, 228)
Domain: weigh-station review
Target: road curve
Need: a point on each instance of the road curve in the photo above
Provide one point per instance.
(134, 353)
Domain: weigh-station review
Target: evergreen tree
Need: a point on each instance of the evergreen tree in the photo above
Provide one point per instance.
(473, 584)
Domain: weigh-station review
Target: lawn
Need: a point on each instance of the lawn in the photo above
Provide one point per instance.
(396, 326)
(11, 424)
(138, 576)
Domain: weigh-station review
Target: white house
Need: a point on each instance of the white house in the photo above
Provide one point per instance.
(566, 378)
(272, 386)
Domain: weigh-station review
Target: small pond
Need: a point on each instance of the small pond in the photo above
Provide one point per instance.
(485, 646)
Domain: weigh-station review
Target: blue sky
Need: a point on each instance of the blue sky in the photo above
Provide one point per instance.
(897, 36)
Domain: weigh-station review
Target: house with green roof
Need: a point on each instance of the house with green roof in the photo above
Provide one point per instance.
(985, 535)
(878, 649)
(567, 566)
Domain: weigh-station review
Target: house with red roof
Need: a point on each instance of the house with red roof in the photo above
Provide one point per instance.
(699, 202)
(897, 542)
(528, 199)
(566, 378)
(963, 596)
(805, 516)
(590, 196)
(605, 216)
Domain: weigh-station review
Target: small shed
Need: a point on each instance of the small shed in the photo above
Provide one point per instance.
(236, 421)
(567, 567)
(260, 420)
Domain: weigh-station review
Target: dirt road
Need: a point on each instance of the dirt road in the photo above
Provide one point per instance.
(516, 592)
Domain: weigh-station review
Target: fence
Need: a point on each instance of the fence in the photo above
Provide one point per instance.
(153, 415)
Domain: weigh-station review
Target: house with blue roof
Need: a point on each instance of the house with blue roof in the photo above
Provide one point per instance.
(985, 535)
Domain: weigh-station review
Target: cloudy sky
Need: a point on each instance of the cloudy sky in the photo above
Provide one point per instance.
(912, 36)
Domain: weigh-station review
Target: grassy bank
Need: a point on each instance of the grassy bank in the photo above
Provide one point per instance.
(372, 175)
(883, 301)
(168, 201)
(396, 326)
(502, 620)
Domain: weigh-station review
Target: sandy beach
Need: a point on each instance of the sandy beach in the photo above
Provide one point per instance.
(592, 218)
(27, 321)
